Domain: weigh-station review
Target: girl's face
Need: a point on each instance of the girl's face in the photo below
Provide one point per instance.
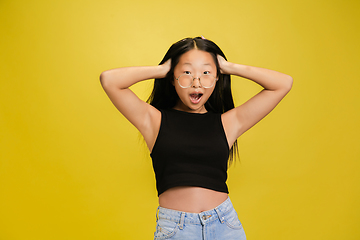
(196, 63)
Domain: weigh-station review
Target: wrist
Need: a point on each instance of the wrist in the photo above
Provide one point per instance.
(228, 68)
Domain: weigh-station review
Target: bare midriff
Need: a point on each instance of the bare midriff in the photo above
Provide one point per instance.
(191, 199)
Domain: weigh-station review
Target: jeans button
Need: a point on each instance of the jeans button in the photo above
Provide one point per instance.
(204, 217)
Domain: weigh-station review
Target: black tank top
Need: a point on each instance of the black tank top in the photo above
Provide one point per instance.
(191, 149)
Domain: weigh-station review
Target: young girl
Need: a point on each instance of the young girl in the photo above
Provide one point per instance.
(190, 126)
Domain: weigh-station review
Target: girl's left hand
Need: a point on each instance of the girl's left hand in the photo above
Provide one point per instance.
(224, 65)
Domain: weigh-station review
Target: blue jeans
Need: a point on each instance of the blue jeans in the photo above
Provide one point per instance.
(216, 224)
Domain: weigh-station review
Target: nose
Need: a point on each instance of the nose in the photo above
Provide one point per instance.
(196, 82)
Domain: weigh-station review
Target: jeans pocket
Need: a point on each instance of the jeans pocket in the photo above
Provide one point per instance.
(232, 220)
(165, 229)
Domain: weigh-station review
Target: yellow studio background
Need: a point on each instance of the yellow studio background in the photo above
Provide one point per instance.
(72, 167)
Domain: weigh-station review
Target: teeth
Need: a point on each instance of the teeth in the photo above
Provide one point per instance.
(196, 95)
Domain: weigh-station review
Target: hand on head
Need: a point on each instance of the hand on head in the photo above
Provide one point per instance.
(166, 66)
(222, 64)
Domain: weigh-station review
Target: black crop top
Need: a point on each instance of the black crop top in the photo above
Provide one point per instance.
(191, 149)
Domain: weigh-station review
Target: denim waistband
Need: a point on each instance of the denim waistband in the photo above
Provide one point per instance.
(202, 218)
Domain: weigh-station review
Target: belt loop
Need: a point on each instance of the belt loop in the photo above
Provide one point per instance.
(221, 218)
(157, 210)
(182, 218)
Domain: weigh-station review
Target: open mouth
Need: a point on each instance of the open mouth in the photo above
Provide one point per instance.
(195, 97)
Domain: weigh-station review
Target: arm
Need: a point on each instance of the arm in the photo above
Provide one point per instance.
(143, 116)
(276, 85)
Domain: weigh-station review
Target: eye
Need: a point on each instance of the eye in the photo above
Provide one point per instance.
(187, 72)
(206, 72)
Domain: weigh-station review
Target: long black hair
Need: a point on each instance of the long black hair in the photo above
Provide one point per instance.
(164, 95)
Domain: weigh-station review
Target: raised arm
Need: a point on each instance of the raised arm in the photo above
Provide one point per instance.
(276, 85)
(143, 116)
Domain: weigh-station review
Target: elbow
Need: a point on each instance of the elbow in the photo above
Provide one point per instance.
(288, 83)
(104, 79)
(285, 85)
